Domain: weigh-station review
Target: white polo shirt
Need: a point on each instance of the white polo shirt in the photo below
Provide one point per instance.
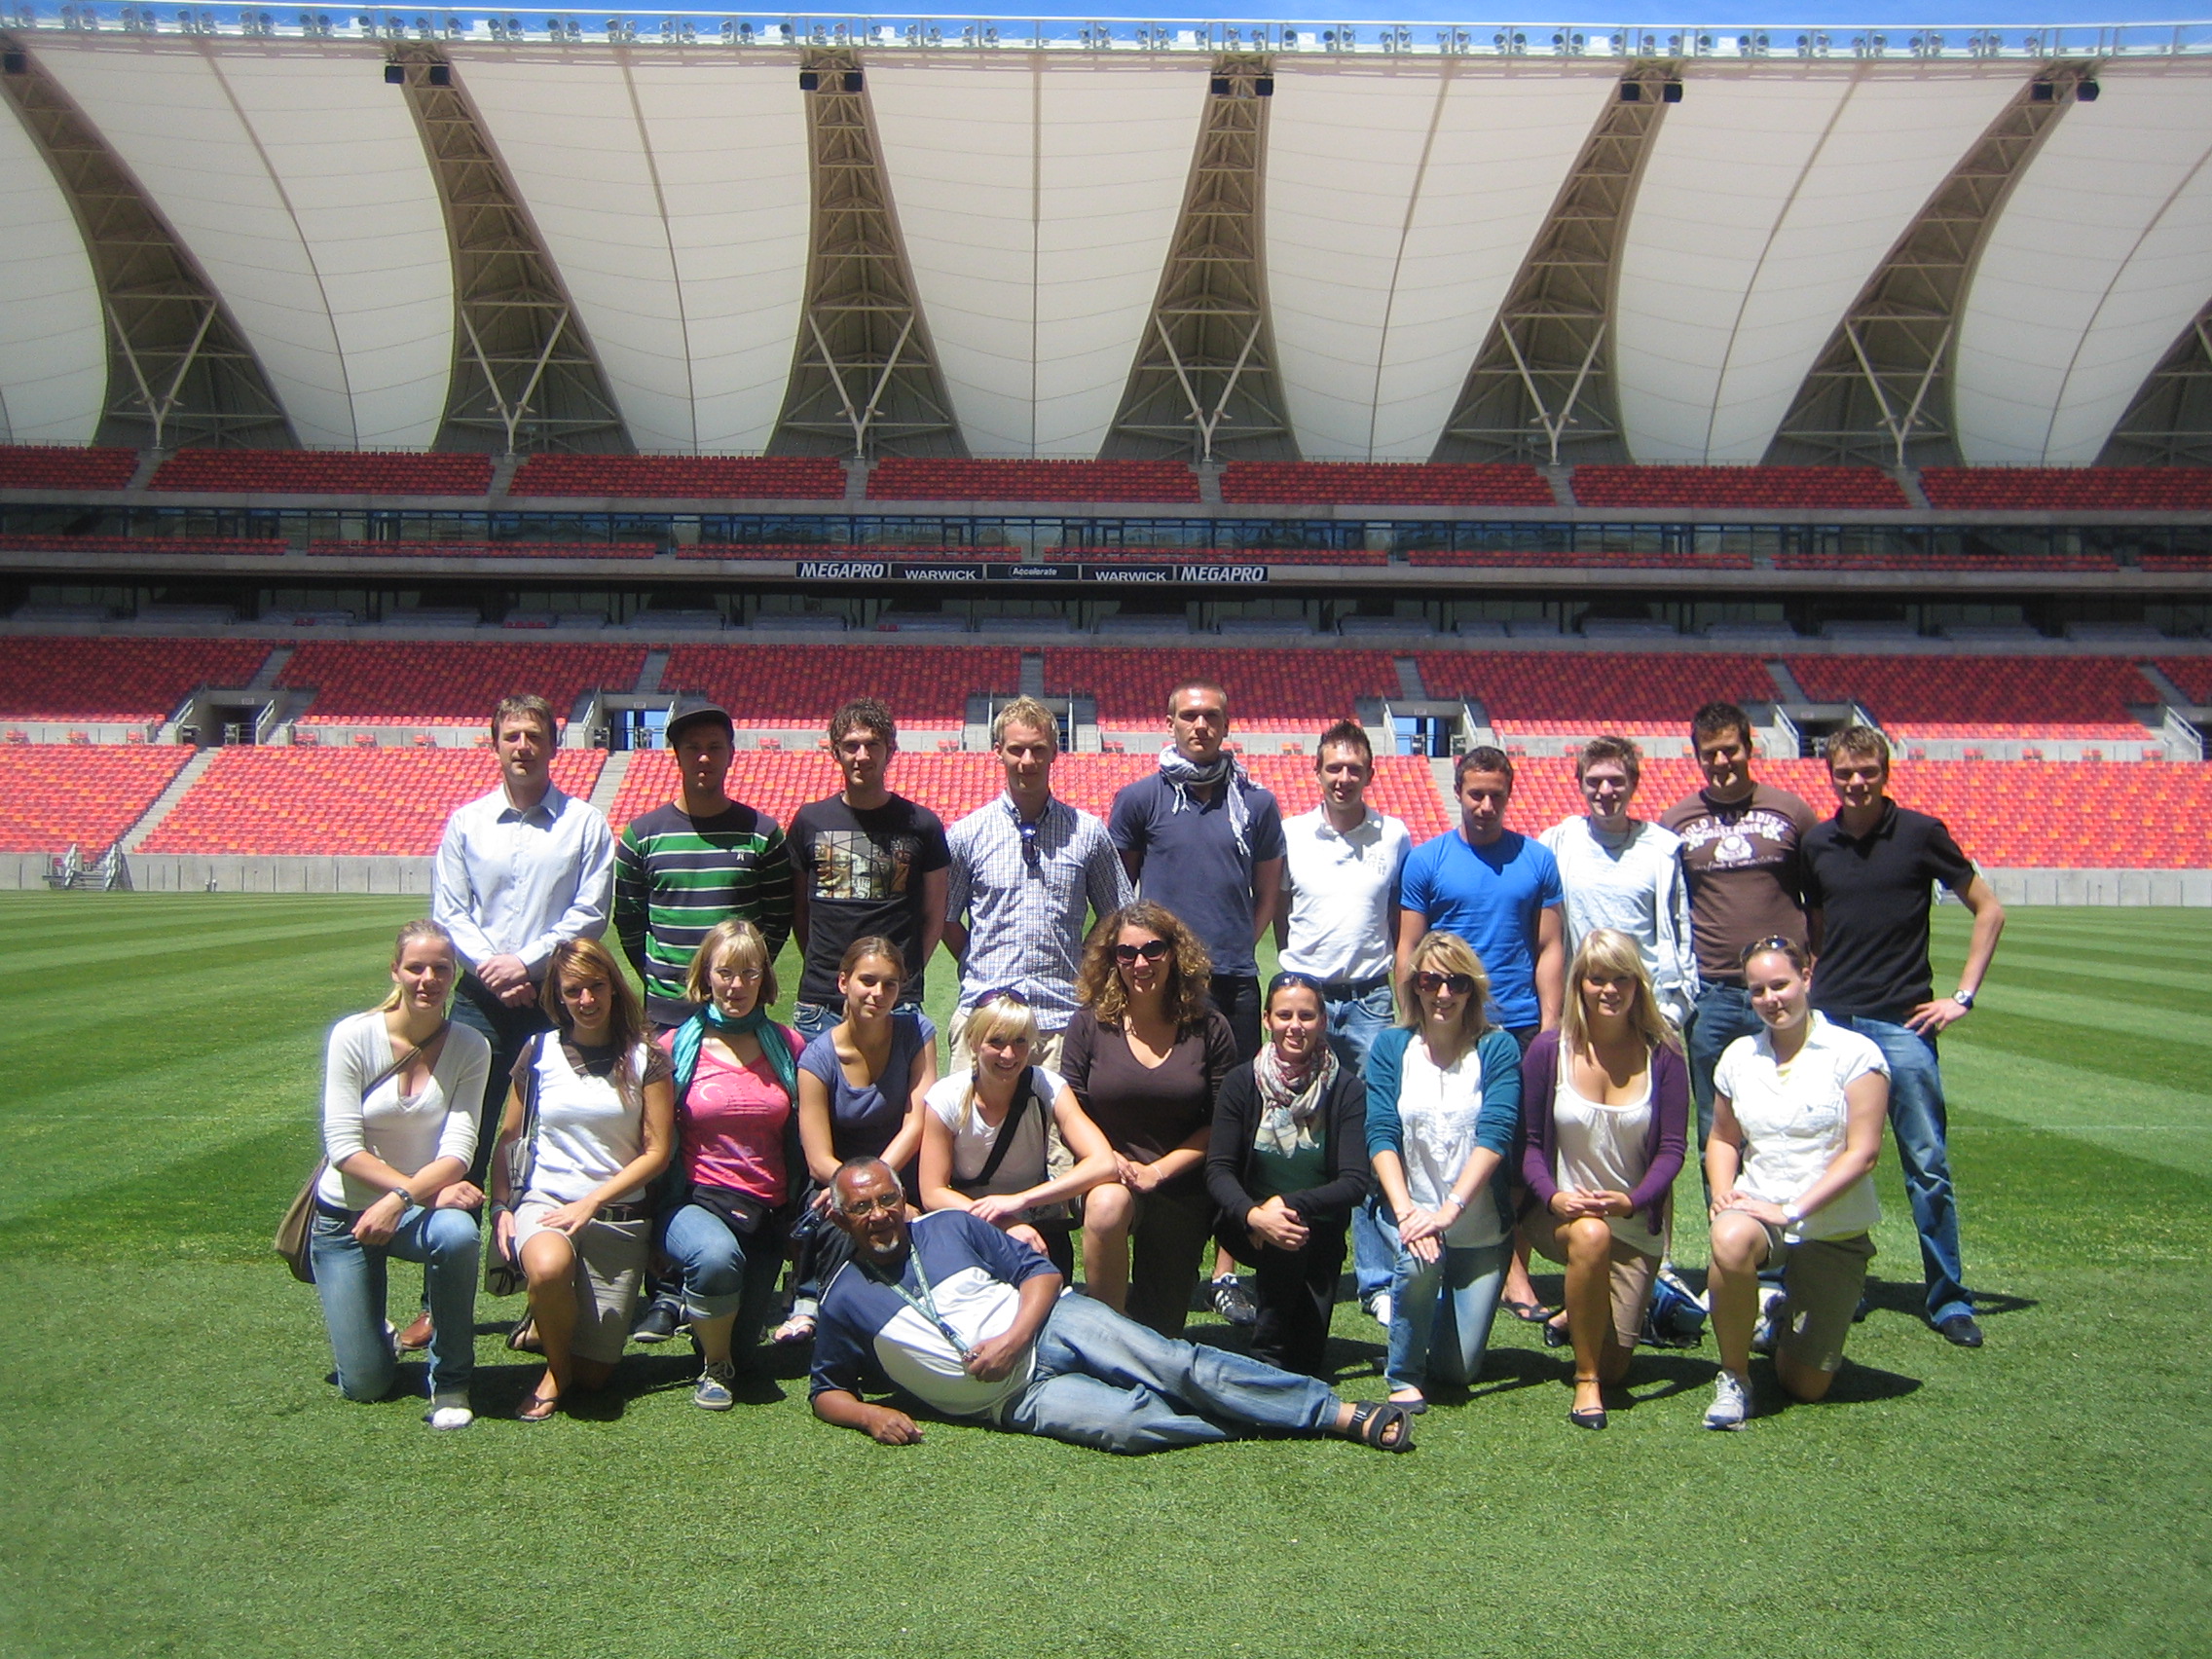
(1792, 1117)
(1344, 894)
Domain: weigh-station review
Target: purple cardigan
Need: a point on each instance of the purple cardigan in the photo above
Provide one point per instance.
(1663, 1147)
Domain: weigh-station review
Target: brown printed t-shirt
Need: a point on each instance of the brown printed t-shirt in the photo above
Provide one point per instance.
(1746, 876)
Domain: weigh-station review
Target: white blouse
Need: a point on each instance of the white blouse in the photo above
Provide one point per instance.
(1601, 1147)
(1438, 1106)
(407, 1131)
(585, 1134)
(1794, 1117)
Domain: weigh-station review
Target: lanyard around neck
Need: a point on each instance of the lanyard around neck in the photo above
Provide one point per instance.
(926, 1303)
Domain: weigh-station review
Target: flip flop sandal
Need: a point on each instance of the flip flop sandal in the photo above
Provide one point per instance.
(522, 1339)
(537, 1408)
(1529, 1313)
(1383, 1425)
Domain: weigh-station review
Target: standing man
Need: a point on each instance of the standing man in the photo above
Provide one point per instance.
(1027, 869)
(1203, 839)
(519, 871)
(1498, 891)
(701, 859)
(1870, 873)
(864, 861)
(1741, 856)
(1624, 874)
(681, 869)
(1334, 923)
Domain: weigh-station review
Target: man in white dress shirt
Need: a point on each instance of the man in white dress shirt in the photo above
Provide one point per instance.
(519, 870)
(1334, 921)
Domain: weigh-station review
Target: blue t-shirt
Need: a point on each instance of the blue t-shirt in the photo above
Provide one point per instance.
(868, 1334)
(1189, 862)
(1492, 897)
(862, 1119)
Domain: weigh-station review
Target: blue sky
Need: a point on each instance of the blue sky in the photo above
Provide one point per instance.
(1876, 14)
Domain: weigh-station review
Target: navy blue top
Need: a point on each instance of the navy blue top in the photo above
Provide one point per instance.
(862, 1119)
(1188, 862)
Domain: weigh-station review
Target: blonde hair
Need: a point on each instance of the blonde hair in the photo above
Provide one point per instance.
(1447, 953)
(732, 935)
(1612, 953)
(1028, 712)
(997, 1018)
(421, 928)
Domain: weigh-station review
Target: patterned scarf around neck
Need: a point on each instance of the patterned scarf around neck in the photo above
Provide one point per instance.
(1227, 771)
(1287, 1110)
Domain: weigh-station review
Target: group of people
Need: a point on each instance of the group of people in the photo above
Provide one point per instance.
(1478, 1046)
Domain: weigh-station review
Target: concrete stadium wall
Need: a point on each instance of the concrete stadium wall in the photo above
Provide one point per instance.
(2123, 887)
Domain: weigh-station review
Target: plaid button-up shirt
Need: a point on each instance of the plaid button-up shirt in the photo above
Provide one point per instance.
(1026, 899)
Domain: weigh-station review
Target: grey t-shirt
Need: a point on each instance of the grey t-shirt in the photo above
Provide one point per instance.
(1188, 860)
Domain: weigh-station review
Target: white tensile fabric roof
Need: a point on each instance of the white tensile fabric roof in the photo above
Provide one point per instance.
(1037, 196)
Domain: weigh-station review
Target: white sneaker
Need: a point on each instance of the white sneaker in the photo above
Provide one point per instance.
(712, 1391)
(450, 1416)
(1382, 1307)
(1773, 1318)
(1731, 1403)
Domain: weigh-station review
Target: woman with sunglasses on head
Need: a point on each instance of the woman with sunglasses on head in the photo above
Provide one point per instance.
(1146, 1055)
(1288, 1165)
(1797, 1114)
(736, 1077)
(400, 1097)
(860, 1088)
(988, 1138)
(1604, 1112)
(1443, 1108)
(592, 1119)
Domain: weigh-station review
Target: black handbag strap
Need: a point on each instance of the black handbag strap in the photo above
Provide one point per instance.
(1003, 1143)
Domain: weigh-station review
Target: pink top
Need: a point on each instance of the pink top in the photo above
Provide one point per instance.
(735, 1123)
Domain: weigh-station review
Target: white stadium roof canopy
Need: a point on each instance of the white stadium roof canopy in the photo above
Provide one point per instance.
(1039, 185)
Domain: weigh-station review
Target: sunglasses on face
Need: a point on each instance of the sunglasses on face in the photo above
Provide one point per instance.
(1459, 985)
(887, 1204)
(1152, 950)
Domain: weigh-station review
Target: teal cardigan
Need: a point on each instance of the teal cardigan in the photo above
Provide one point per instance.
(1495, 1127)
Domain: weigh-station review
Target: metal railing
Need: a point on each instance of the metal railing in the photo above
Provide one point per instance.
(925, 32)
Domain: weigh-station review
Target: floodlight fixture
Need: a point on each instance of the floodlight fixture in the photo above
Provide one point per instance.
(809, 80)
(2087, 91)
(1220, 87)
(1263, 86)
(441, 74)
(1670, 92)
(395, 74)
(853, 82)
(1632, 92)
(2043, 91)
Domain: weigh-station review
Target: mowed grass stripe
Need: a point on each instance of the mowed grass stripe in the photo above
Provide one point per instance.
(2117, 1111)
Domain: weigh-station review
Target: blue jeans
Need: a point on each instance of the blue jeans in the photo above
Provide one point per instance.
(350, 1277)
(1104, 1380)
(722, 1273)
(508, 1031)
(1920, 1124)
(1441, 1312)
(1722, 1014)
(1354, 1023)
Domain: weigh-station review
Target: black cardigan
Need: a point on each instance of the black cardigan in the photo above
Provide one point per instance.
(1231, 1158)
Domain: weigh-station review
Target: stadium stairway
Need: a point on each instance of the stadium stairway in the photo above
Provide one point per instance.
(164, 803)
(611, 777)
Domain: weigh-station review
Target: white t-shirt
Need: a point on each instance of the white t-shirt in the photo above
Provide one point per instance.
(1634, 884)
(1438, 1106)
(586, 1133)
(406, 1131)
(1344, 894)
(1601, 1147)
(1023, 1166)
(1794, 1119)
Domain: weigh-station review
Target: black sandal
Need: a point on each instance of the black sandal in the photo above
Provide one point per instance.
(1383, 1425)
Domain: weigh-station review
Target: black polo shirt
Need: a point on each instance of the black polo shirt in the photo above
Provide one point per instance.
(1876, 891)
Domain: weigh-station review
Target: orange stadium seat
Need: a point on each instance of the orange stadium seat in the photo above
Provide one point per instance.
(323, 801)
(116, 679)
(688, 477)
(1415, 483)
(2194, 675)
(323, 472)
(1581, 692)
(458, 682)
(244, 546)
(57, 467)
(481, 550)
(1953, 696)
(1311, 687)
(2068, 489)
(802, 685)
(1845, 487)
(900, 478)
(1591, 557)
(55, 795)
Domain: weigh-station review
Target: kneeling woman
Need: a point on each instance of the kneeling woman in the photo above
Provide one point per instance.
(1798, 1117)
(399, 1102)
(1605, 1109)
(593, 1115)
(985, 1145)
(736, 1093)
(1288, 1166)
(1443, 1106)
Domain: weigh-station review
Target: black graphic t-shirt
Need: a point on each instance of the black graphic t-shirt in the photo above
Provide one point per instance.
(861, 873)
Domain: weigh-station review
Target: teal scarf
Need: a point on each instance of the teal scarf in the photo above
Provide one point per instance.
(774, 1040)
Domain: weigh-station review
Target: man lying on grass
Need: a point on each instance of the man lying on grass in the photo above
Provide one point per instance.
(953, 1311)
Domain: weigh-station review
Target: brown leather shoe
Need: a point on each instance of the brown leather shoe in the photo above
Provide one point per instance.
(416, 1335)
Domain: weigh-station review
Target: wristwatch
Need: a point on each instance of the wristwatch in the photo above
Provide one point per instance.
(404, 1197)
(1964, 998)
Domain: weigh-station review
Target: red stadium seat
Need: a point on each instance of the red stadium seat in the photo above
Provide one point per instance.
(802, 685)
(1956, 696)
(323, 472)
(1265, 686)
(1578, 694)
(55, 795)
(899, 478)
(42, 466)
(686, 477)
(457, 683)
(1847, 487)
(116, 679)
(1413, 484)
(2068, 489)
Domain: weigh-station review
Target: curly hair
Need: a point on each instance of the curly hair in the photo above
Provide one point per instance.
(1098, 984)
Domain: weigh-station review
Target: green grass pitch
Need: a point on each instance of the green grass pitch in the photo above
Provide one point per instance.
(177, 1478)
